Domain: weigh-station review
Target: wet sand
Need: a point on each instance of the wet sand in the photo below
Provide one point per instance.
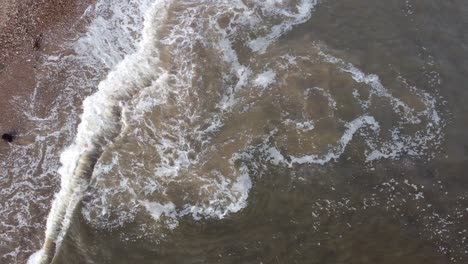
(29, 29)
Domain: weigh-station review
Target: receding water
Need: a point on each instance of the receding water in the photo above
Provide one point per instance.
(274, 131)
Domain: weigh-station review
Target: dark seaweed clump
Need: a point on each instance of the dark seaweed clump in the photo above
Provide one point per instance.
(8, 137)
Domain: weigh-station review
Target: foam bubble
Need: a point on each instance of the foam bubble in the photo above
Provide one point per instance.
(265, 78)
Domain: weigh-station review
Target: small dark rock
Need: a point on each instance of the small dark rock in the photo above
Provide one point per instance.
(37, 42)
(8, 137)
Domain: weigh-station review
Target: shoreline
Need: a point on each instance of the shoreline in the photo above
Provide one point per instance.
(29, 33)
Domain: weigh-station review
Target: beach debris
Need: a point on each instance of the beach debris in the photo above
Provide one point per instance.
(8, 137)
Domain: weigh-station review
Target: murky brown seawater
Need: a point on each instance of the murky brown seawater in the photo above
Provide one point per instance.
(227, 153)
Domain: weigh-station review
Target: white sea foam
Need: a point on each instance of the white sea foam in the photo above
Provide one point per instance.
(265, 78)
(304, 125)
(304, 13)
(36, 257)
(416, 144)
(98, 120)
(113, 32)
(158, 209)
(351, 128)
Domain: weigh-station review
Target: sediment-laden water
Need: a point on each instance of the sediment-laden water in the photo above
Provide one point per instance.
(249, 132)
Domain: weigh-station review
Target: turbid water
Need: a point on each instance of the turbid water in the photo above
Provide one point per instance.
(249, 132)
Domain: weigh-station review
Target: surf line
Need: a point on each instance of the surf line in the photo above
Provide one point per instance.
(101, 123)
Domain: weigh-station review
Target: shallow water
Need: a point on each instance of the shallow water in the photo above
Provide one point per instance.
(263, 132)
